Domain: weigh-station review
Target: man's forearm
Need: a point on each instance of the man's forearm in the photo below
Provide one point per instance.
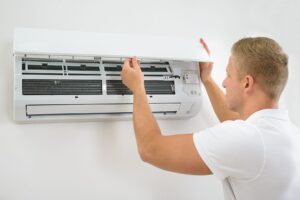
(145, 126)
(175, 153)
(217, 99)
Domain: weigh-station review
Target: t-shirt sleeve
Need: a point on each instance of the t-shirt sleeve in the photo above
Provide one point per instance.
(231, 149)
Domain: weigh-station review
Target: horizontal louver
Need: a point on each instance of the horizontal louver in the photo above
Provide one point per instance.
(45, 67)
(82, 61)
(45, 60)
(83, 68)
(144, 69)
(113, 69)
(116, 87)
(154, 69)
(61, 87)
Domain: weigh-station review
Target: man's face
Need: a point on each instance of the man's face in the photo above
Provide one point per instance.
(233, 86)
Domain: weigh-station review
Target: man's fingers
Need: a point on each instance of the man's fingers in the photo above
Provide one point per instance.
(131, 63)
(205, 46)
(135, 63)
(125, 67)
(126, 63)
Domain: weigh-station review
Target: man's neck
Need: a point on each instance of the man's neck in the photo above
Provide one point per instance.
(252, 106)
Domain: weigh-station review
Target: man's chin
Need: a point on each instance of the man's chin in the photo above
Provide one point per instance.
(228, 104)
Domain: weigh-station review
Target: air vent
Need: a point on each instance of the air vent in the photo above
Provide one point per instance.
(41, 67)
(41, 59)
(154, 69)
(82, 61)
(26, 73)
(148, 67)
(61, 87)
(39, 110)
(79, 74)
(116, 87)
(83, 68)
(44, 66)
(118, 68)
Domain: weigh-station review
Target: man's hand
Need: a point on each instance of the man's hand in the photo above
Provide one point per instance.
(205, 67)
(132, 75)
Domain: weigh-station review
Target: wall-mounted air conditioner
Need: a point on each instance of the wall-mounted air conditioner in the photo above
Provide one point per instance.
(64, 75)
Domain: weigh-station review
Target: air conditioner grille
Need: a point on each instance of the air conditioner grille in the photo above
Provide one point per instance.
(116, 87)
(61, 87)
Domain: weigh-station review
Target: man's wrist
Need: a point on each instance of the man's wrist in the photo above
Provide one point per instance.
(207, 81)
(139, 90)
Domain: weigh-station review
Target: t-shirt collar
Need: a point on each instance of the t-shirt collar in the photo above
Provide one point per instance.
(277, 113)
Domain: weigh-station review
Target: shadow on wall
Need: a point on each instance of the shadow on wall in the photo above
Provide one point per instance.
(8, 76)
(115, 144)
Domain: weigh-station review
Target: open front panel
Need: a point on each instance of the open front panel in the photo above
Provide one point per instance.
(88, 109)
(66, 63)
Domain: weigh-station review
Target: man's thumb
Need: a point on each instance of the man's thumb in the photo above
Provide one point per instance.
(126, 63)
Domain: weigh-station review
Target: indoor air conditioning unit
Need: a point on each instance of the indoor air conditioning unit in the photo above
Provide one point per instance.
(65, 75)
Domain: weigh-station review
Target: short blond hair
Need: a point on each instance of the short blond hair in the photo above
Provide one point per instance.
(264, 59)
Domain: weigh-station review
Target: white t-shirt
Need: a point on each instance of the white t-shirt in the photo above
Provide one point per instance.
(256, 159)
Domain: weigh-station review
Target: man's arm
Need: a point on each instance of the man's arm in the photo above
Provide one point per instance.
(173, 153)
(214, 92)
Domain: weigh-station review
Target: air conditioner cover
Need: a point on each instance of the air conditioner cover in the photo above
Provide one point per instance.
(75, 76)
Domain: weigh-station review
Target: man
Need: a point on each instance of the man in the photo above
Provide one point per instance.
(255, 151)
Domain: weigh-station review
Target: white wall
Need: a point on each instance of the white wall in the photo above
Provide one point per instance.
(99, 160)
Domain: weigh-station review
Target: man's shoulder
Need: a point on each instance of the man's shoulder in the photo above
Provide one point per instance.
(233, 131)
(235, 126)
(230, 148)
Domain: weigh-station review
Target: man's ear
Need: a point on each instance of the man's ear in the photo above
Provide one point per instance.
(248, 83)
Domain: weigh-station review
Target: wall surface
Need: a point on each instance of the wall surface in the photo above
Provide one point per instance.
(99, 160)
